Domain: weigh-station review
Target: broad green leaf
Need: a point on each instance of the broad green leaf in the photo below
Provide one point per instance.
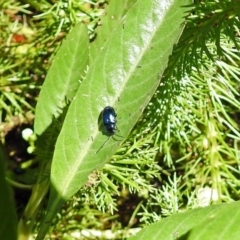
(214, 222)
(60, 86)
(63, 78)
(125, 76)
(8, 224)
(113, 14)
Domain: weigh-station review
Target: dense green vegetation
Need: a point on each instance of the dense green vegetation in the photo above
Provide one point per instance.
(170, 69)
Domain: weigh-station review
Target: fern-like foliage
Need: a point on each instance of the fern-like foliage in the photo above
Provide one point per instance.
(197, 110)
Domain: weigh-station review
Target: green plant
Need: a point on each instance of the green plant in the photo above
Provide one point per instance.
(183, 151)
(105, 84)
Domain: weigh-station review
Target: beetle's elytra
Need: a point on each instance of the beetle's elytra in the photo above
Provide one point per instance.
(109, 120)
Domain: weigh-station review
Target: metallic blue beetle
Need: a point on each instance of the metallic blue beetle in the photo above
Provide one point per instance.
(109, 120)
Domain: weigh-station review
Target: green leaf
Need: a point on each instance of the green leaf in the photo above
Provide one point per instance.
(125, 76)
(8, 225)
(63, 78)
(113, 14)
(214, 222)
(60, 86)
